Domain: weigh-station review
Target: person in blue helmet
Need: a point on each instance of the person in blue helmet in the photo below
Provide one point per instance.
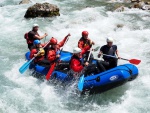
(38, 52)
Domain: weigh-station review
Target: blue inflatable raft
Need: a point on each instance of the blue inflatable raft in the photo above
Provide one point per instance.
(94, 83)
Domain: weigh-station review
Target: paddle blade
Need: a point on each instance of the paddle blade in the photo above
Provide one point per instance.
(81, 83)
(48, 76)
(24, 67)
(97, 48)
(135, 61)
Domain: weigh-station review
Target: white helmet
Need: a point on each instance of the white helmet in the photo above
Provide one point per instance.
(76, 50)
(35, 25)
(109, 39)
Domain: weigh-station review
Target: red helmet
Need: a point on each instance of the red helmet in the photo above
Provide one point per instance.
(53, 41)
(34, 51)
(85, 33)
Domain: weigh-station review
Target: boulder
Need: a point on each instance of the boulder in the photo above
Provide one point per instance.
(119, 25)
(132, 1)
(119, 9)
(138, 5)
(42, 10)
(25, 2)
(146, 1)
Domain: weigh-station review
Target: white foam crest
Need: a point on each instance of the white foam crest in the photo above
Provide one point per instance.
(132, 40)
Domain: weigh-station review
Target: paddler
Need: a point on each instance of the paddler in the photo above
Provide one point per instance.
(85, 43)
(38, 52)
(108, 49)
(33, 35)
(53, 52)
(77, 67)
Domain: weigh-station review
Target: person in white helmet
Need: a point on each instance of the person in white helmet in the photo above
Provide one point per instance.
(108, 49)
(78, 67)
(33, 35)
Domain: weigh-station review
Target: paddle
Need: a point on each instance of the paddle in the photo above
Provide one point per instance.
(96, 49)
(132, 61)
(50, 71)
(25, 66)
(81, 81)
(48, 75)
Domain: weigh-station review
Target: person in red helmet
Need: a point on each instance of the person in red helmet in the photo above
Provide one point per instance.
(38, 52)
(33, 35)
(85, 44)
(53, 51)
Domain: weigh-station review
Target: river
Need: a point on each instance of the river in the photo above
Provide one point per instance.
(26, 94)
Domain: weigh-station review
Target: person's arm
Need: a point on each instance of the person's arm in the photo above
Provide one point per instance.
(85, 49)
(100, 52)
(40, 37)
(91, 42)
(60, 44)
(33, 53)
(117, 53)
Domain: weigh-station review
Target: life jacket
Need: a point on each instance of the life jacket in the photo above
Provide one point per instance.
(42, 52)
(40, 56)
(29, 39)
(51, 54)
(76, 64)
(84, 43)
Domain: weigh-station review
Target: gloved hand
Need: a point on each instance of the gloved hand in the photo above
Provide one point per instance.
(99, 55)
(86, 64)
(46, 34)
(68, 34)
(118, 57)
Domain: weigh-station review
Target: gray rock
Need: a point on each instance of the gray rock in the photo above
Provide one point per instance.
(42, 10)
(25, 2)
(119, 9)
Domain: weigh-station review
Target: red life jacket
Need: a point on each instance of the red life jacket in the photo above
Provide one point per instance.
(38, 58)
(27, 39)
(30, 39)
(51, 54)
(75, 64)
(84, 45)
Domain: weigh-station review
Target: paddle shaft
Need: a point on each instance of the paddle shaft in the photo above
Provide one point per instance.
(81, 81)
(63, 45)
(25, 66)
(115, 57)
(132, 61)
(89, 54)
(39, 51)
(44, 39)
(52, 68)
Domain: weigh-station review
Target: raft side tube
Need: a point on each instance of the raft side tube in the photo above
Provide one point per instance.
(120, 73)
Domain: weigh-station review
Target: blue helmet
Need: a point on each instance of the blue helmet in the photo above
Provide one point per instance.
(36, 42)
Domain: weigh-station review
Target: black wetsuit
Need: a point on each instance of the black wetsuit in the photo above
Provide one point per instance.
(31, 36)
(108, 62)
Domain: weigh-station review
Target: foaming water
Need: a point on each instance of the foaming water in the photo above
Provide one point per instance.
(26, 94)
